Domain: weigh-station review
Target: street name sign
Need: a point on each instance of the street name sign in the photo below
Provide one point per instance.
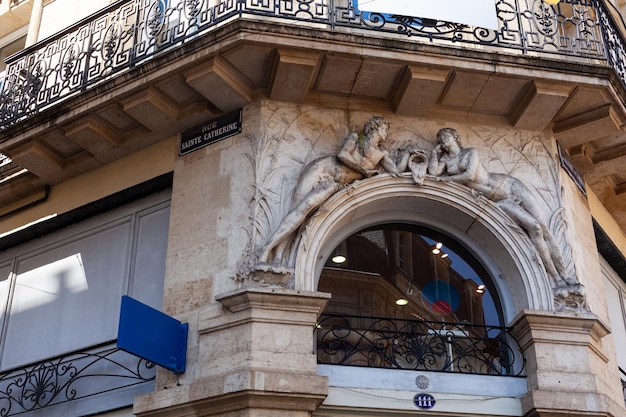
(210, 132)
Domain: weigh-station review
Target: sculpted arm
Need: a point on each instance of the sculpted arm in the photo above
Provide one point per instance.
(346, 156)
(405, 156)
(435, 166)
(402, 164)
(390, 166)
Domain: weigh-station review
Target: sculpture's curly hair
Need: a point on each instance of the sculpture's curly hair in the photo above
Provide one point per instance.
(449, 131)
(373, 124)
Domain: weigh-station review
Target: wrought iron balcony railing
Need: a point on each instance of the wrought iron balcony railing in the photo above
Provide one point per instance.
(73, 376)
(418, 345)
(131, 32)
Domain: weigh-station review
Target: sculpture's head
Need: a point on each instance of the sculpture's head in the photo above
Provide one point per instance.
(448, 131)
(375, 123)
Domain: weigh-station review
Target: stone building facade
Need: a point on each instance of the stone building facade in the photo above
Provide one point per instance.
(211, 158)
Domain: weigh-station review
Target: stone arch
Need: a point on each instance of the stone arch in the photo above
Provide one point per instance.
(505, 250)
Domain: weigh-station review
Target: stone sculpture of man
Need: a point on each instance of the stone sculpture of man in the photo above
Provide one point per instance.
(360, 156)
(450, 161)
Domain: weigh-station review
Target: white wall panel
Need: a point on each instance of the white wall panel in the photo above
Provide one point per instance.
(615, 301)
(68, 298)
(68, 285)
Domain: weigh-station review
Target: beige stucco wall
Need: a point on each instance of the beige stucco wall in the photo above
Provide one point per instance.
(116, 176)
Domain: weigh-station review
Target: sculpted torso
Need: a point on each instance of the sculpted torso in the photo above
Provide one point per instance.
(360, 156)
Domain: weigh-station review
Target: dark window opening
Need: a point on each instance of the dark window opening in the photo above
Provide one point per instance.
(408, 297)
(404, 271)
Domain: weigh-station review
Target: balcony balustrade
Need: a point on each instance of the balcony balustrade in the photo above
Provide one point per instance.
(130, 33)
(73, 376)
(418, 345)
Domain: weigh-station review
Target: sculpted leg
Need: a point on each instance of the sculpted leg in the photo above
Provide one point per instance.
(280, 239)
(541, 237)
(553, 247)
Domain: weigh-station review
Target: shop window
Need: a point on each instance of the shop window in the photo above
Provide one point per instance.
(60, 298)
(409, 297)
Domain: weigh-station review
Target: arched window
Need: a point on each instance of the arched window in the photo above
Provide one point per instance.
(409, 297)
(404, 271)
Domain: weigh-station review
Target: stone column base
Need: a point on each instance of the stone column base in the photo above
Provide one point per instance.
(568, 370)
(256, 358)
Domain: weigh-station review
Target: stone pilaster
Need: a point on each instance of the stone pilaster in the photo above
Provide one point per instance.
(256, 358)
(565, 364)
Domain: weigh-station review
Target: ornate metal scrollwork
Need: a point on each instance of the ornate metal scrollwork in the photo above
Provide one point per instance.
(132, 32)
(155, 18)
(418, 345)
(70, 61)
(193, 8)
(65, 379)
(112, 40)
(543, 17)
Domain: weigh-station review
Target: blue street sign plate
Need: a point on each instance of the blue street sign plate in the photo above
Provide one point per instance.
(152, 335)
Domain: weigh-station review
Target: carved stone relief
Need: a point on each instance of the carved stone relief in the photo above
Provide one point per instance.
(283, 202)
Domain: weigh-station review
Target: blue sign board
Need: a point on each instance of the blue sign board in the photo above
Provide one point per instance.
(567, 165)
(424, 401)
(152, 335)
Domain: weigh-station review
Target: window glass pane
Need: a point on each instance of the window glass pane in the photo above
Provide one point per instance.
(65, 296)
(5, 270)
(616, 316)
(68, 298)
(149, 266)
(401, 271)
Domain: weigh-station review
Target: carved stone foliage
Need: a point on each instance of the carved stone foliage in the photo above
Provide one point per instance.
(291, 138)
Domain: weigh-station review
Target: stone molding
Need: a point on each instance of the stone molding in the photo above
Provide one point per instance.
(255, 358)
(564, 354)
(448, 206)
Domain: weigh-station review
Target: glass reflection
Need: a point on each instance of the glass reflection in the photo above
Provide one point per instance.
(409, 272)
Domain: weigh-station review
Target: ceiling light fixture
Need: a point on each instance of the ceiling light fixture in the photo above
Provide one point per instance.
(552, 1)
(339, 254)
(437, 249)
(338, 259)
